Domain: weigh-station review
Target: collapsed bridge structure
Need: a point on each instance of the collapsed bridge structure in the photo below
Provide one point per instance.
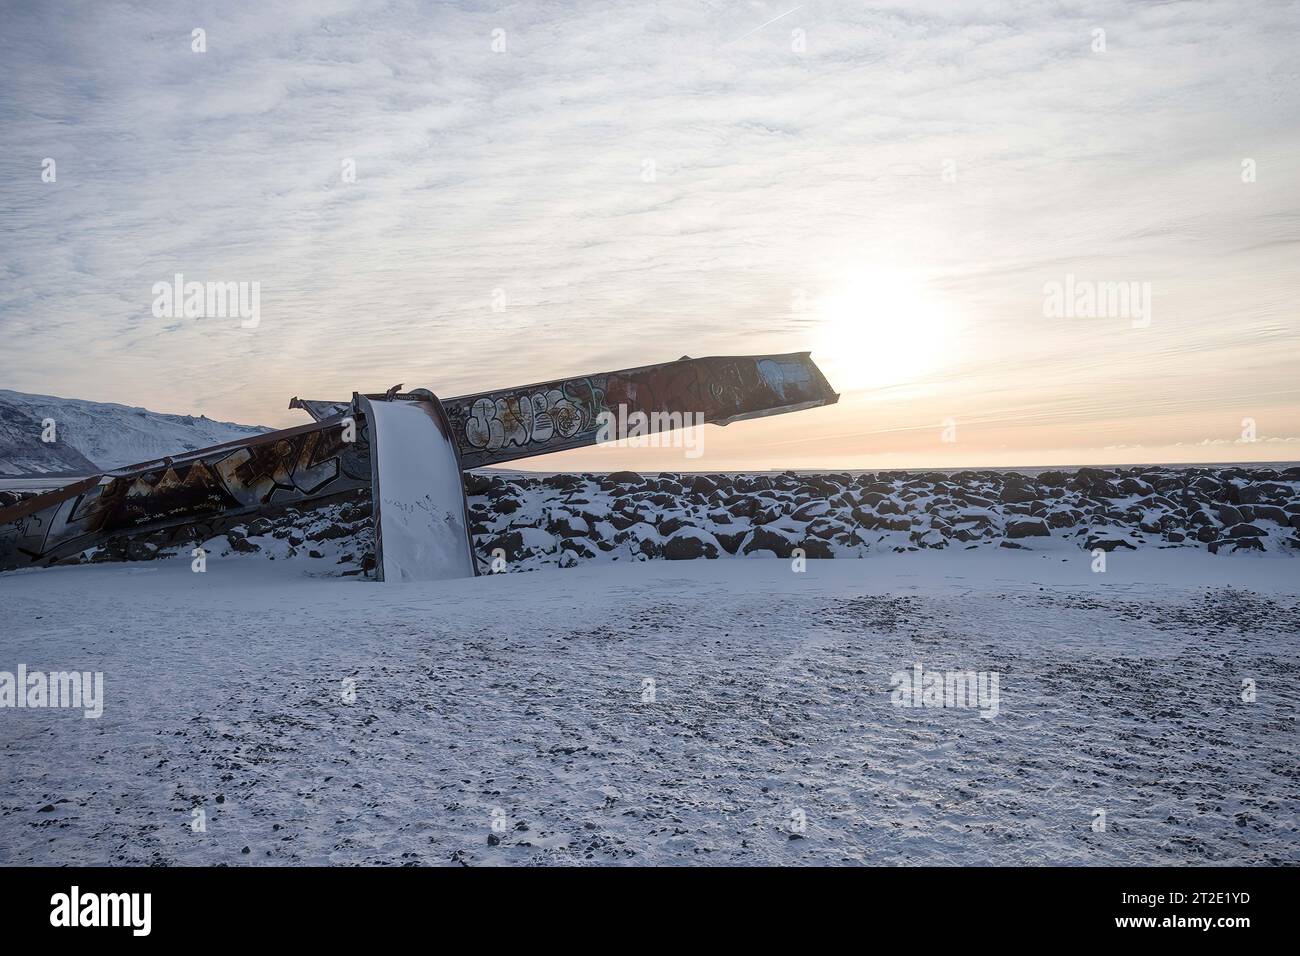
(408, 449)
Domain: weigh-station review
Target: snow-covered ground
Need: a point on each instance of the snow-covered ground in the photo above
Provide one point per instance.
(521, 700)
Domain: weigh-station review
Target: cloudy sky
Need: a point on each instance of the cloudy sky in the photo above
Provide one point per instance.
(544, 189)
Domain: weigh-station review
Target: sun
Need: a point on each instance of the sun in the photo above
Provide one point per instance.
(880, 329)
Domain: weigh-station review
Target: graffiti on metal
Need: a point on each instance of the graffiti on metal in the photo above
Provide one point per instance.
(523, 420)
(539, 419)
(204, 489)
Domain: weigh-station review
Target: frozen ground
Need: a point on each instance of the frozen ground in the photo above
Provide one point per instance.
(518, 699)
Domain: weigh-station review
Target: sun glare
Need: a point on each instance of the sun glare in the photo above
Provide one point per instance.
(880, 330)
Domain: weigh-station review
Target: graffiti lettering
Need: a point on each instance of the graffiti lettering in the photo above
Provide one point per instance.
(523, 419)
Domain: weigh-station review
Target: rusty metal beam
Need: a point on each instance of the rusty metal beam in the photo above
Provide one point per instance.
(206, 489)
(500, 426)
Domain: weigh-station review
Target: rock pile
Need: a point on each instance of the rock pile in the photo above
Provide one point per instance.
(565, 519)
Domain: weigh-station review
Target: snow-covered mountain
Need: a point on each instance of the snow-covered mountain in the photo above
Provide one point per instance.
(92, 436)
(23, 454)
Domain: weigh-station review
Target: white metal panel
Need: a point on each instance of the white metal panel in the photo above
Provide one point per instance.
(419, 500)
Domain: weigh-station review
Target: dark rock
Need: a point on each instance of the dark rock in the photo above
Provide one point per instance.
(822, 486)
(812, 509)
(578, 547)
(687, 546)
(1229, 515)
(1064, 519)
(512, 543)
(770, 539)
(1206, 486)
(137, 550)
(730, 542)
(744, 508)
(566, 525)
(621, 520)
(357, 511)
(702, 484)
(1238, 544)
(1093, 482)
(674, 523)
(816, 548)
(476, 484)
(328, 533)
(1271, 513)
(1026, 528)
(1017, 492)
(932, 538)
(1108, 543)
(1263, 492)
(1244, 531)
(1131, 486)
(821, 528)
(624, 478)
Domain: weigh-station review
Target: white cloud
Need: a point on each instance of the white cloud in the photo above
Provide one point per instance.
(775, 170)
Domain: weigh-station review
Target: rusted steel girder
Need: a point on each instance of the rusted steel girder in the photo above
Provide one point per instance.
(198, 494)
(495, 427)
(202, 492)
